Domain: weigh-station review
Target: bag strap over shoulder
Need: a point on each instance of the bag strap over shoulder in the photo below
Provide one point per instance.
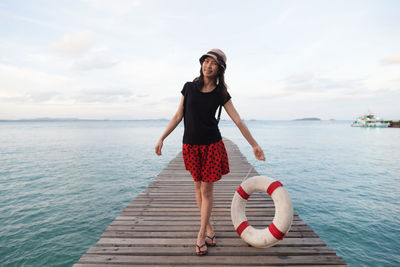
(220, 107)
(219, 113)
(184, 100)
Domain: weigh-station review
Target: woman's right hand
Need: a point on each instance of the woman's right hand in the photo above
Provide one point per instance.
(258, 153)
(158, 147)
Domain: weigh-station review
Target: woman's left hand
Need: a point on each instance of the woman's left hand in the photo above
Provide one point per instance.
(158, 147)
(258, 152)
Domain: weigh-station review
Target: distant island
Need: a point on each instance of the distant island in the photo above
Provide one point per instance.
(308, 119)
(50, 119)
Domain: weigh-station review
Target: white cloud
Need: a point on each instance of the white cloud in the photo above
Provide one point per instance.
(301, 77)
(121, 6)
(286, 15)
(155, 77)
(275, 93)
(74, 45)
(391, 60)
(322, 82)
(105, 95)
(6, 14)
(96, 62)
(383, 79)
(23, 84)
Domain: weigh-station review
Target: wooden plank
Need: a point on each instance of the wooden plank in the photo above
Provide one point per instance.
(221, 251)
(188, 205)
(174, 209)
(226, 260)
(160, 225)
(190, 228)
(141, 221)
(191, 218)
(269, 213)
(172, 242)
(185, 234)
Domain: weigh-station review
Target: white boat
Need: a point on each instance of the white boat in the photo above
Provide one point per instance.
(369, 121)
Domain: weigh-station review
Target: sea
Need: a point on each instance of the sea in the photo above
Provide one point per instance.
(63, 182)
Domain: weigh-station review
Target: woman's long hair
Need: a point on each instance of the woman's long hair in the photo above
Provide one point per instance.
(199, 81)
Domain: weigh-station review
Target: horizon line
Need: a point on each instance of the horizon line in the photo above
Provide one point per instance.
(162, 119)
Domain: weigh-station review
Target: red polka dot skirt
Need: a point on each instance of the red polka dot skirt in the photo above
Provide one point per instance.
(206, 163)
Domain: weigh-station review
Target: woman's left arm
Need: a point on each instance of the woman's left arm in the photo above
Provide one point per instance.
(230, 109)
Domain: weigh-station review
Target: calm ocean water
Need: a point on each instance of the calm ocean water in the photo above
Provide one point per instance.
(63, 182)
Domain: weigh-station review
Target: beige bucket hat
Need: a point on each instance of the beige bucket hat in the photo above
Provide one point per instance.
(216, 54)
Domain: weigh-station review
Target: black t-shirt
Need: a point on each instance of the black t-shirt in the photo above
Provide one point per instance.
(201, 126)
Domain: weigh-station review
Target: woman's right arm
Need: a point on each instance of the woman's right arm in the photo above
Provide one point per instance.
(176, 119)
(230, 109)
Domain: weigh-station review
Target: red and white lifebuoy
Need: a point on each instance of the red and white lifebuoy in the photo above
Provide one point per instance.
(283, 218)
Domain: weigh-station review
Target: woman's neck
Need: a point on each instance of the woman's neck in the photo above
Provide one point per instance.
(209, 84)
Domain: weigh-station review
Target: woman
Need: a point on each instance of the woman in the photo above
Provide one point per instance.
(203, 150)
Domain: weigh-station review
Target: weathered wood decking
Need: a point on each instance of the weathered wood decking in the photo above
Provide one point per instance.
(159, 227)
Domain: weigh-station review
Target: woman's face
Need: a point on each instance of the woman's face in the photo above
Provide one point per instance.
(210, 67)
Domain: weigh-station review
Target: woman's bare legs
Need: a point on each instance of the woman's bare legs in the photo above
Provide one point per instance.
(205, 199)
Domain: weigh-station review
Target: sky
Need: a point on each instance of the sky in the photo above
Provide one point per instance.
(129, 59)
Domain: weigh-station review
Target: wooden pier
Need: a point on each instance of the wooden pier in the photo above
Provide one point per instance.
(159, 227)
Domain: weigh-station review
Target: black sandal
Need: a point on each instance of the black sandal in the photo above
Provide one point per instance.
(201, 253)
(212, 243)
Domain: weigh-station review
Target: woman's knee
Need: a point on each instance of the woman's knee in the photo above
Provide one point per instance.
(198, 189)
(207, 190)
(197, 186)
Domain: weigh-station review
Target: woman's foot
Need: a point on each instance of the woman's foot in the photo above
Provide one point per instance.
(210, 237)
(200, 250)
(201, 246)
(210, 240)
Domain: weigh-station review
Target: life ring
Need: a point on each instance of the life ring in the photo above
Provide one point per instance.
(276, 231)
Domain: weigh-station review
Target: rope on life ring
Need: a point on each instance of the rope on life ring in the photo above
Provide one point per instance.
(283, 218)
